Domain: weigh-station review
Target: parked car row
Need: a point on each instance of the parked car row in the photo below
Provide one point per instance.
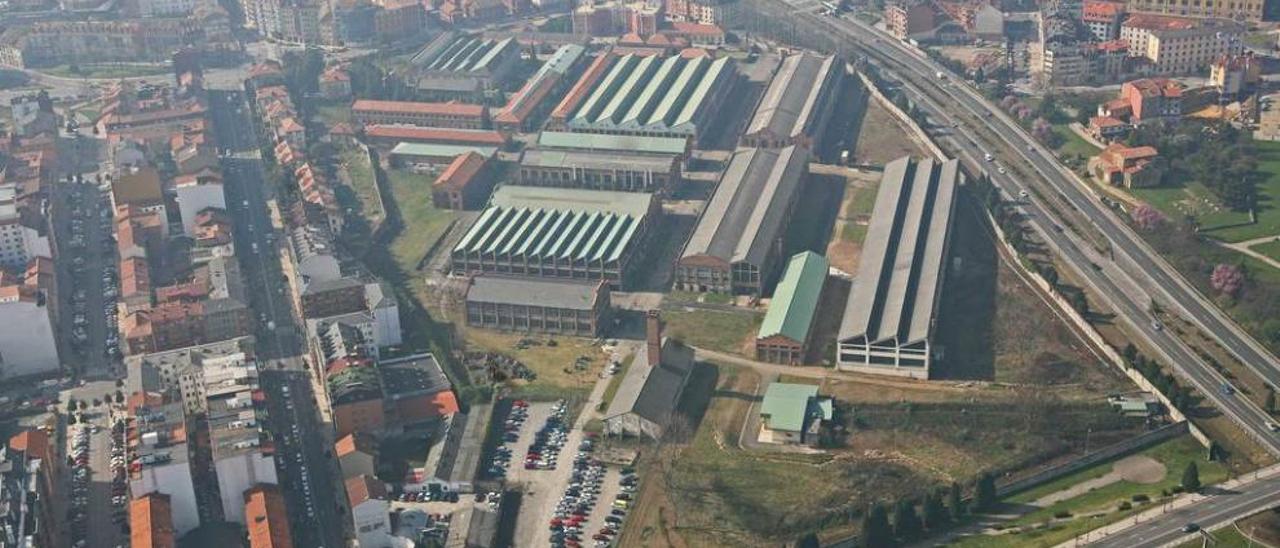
(569, 522)
(547, 442)
(78, 512)
(511, 432)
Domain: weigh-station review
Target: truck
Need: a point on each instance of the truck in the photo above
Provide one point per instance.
(941, 75)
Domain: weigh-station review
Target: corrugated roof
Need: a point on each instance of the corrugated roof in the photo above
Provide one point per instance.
(744, 217)
(567, 294)
(595, 160)
(607, 142)
(786, 406)
(651, 92)
(697, 101)
(441, 150)
(418, 107)
(795, 300)
(788, 105)
(896, 288)
(569, 224)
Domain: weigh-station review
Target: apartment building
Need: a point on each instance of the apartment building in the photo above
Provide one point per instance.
(1178, 45)
(1240, 10)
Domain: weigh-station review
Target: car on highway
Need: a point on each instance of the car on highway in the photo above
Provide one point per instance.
(1190, 528)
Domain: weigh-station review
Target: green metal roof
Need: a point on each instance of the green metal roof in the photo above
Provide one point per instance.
(438, 150)
(606, 142)
(786, 405)
(696, 101)
(568, 224)
(795, 300)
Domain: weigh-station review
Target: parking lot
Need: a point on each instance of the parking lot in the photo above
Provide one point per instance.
(98, 506)
(83, 227)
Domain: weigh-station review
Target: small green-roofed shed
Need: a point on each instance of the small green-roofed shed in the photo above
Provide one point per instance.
(795, 300)
(786, 406)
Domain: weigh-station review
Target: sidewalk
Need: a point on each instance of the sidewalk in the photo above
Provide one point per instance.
(1158, 510)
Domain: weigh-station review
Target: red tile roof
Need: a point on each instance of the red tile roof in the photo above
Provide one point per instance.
(266, 518)
(363, 488)
(1149, 21)
(461, 171)
(1104, 121)
(151, 522)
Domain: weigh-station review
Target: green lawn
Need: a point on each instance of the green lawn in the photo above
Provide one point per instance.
(1104, 501)
(712, 329)
(1270, 249)
(1226, 537)
(106, 71)
(616, 382)
(1193, 199)
(1217, 221)
(333, 113)
(362, 184)
(859, 206)
(1072, 144)
(424, 224)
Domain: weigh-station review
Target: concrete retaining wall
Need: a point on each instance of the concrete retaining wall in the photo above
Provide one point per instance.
(1109, 452)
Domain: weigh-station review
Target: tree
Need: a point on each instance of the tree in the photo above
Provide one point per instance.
(1146, 217)
(935, 515)
(1050, 275)
(1191, 478)
(1227, 279)
(955, 502)
(71, 405)
(984, 497)
(1215, 450)
(906, 523)
(875, 528)
(1130, 352)
(82, 405)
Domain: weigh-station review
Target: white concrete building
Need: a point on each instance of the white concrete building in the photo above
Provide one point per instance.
(27, 346)
(160, 462)
(197, 192)
(166, 8)
(370, 511)
(18, 243)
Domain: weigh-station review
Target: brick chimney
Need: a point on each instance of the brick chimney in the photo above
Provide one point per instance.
(653, 337)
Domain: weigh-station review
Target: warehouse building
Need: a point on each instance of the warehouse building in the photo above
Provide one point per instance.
(425, 155)
(736, 246)
(651, 95)
(558, 233)
(787, 328)
(563, 307)
(637, 144)
(392, 135)
(463, 67)
(597, 170)
(889, 318)
(465, 184)
(527, 106)
(414, 113)
(797, 104)
(649, 395)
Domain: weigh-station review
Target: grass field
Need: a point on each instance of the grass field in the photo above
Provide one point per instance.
(726, 496)
(712, 329)
(554, 365)
(1099, 506)
(1192, 199)
(1072, 144)
(882, 139)
(857, 211)
(424, 224)
(360, 177)
(1270, 249)
(1216, 221)
(333, 113)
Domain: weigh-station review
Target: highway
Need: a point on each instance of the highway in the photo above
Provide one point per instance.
(1215, 510)
(303, 460)
(1128, 282)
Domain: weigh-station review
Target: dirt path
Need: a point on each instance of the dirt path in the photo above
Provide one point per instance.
(1137, 469)
(1245, 247)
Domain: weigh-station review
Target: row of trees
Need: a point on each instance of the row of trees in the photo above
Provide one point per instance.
(1182, 397)
(933, 515)
(1219, 156)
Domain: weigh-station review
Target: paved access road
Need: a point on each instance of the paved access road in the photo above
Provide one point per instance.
(304, 464)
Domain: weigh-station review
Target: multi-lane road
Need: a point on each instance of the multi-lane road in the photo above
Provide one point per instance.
(1127, 274)
(304, 459)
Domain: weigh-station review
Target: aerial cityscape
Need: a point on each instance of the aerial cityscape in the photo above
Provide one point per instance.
(639, 273)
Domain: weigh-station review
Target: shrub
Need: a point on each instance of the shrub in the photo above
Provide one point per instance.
(1140, 497)
(1125, 506)
(1062, 514)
